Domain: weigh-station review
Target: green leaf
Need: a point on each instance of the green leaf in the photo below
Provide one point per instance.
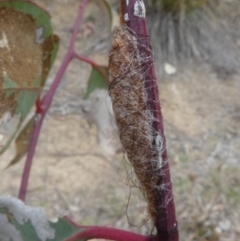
(40, 16)
(64, 229)
(97, 80)
(31, 223)
(28, 49)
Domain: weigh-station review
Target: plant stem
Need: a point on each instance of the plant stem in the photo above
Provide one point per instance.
(133, 15)
(109, 234)
(86, 59)
(93, 64)
(46, 102)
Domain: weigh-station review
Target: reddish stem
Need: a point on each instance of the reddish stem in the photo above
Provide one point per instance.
(93, 63)
(133, 15)
(109, 234)
(46, 102)
(87, 60)
(39, 109)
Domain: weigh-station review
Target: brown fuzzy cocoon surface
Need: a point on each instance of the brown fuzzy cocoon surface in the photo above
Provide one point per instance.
(133, 115)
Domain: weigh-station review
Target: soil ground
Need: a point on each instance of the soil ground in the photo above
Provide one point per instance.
(72, 175)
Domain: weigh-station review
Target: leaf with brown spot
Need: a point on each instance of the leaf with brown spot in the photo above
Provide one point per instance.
(27, 51)
(22, 141)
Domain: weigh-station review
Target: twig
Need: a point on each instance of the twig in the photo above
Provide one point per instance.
(88, 233)
(93, 63)
(152, 172)
(46, 102)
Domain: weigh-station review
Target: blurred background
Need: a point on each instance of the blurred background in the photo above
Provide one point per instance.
(79, 168)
